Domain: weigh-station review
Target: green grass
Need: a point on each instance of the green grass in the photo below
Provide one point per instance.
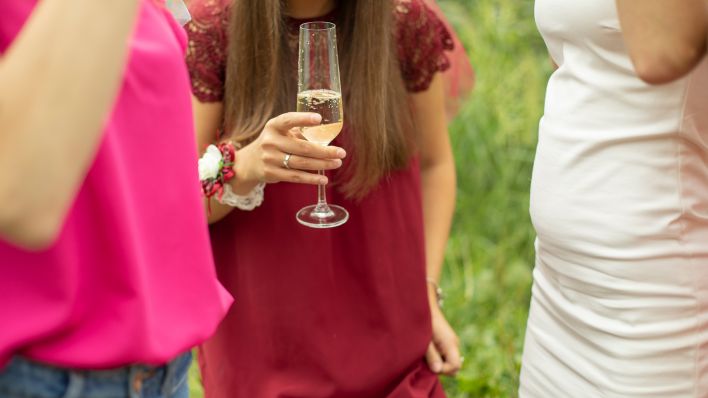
(487, 274)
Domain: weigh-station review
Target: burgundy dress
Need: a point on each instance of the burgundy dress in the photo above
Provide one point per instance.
(341, 312)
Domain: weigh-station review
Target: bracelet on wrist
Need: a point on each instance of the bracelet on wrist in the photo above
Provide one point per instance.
(439, 295)
(246, 202)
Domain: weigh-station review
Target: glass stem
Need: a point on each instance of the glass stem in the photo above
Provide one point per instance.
(321, 194)
(322, 210)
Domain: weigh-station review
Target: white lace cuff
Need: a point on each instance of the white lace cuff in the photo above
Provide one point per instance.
(246, 202)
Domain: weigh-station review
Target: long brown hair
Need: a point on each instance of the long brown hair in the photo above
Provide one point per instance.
(261, 83)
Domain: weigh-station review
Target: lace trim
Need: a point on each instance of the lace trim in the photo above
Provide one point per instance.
(422, 39)
(423, 42)
(206, 50)
(247, 202)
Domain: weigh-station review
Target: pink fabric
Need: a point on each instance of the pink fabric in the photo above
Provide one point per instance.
(130, 278)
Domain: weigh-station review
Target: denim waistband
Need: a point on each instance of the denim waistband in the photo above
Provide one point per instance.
(23, 377)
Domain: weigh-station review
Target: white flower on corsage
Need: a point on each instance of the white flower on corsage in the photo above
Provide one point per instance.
(211, 163)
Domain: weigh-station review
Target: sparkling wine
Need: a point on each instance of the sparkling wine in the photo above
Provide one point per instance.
(327, 103)
(319, 91)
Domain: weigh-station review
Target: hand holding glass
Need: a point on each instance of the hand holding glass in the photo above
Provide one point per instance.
(319, 91)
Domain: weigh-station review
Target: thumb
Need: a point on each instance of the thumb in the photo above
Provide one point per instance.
(432, 356)
(451, 353)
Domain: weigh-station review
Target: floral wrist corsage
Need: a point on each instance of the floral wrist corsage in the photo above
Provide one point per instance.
(216, 169)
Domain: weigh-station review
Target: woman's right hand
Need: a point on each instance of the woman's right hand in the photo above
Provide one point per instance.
(263, 160)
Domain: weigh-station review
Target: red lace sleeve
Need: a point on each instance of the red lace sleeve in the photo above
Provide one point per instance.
(460, 78)
(422, 40)
(206, 51)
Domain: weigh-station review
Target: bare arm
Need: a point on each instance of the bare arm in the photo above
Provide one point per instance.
(58, 80)
(666, 39)
(437, 170)
(262, 160)
(208, 119)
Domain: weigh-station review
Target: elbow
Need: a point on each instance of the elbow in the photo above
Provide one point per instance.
(30, 230)
(32, 236)
(27, 219)
(662, 68)
(39, 237)
(31, 223)
(656, 73)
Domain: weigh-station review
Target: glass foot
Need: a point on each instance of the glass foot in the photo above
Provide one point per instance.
(323, 217)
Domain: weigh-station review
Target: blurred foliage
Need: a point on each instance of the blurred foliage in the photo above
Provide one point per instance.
(487, 274)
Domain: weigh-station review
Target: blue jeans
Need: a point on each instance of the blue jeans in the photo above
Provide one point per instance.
(26, 379)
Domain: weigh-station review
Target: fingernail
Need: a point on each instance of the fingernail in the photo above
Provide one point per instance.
(323, 181)
(316, 118)
(437, 367)
(341, 153)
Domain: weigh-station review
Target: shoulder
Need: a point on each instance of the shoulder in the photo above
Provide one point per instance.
(208, 27)
(410, 12)
(423, 40)
(207, 48)
(210, 14)
(402, 10)
(416, 20)
(403, 7)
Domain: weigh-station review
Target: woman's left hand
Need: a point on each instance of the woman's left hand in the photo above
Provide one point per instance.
(443, 354)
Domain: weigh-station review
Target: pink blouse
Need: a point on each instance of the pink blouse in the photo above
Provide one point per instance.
(130, 278)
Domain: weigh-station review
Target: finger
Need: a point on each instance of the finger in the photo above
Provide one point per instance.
(279, 174)
(432, 356)
(296, 133)
(302, 163)
(450, 350)
(283, 123)
(294, 146)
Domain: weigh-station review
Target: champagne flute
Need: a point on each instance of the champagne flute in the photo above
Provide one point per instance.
(320, 91)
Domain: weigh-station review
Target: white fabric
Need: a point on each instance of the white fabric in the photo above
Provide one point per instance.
(179, 11)
(246, 202)
(619, 200)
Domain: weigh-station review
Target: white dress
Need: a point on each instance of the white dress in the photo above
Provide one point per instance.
(619, 200)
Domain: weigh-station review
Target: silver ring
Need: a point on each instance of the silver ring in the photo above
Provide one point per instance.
(286, 160)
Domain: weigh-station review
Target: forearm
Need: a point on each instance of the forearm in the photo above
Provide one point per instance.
(439, 190)
(217, 211)
(208, 120)
(58, 79)
(665, 39)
